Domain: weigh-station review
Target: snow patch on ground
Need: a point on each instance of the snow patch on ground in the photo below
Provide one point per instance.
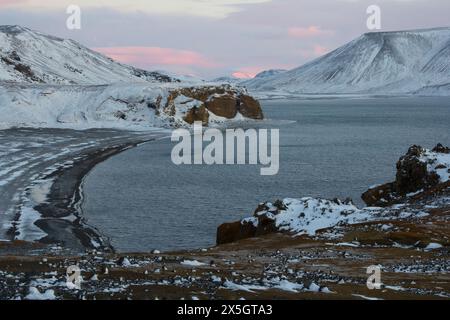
(35, 294)
(192, 263)
(437, 162)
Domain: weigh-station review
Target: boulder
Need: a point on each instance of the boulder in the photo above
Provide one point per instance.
(412, 172)
(234, 231)
(223, 101)
(223, 105)
(379, 196)
(197, 114)
(413, 175)
(250, 107)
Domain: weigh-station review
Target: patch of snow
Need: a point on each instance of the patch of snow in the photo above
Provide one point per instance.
(365, 297)
(192, 263)
(35, 294)
(238, 287)
(433, 246)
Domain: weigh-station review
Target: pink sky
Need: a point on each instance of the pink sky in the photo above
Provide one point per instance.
(219, 37)
(144, 56)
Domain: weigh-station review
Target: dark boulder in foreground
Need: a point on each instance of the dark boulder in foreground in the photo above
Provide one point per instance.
(249, 228)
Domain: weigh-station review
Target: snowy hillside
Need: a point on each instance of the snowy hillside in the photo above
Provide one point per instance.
(400, 62)
(55, 83)
(263, 75)
(137, 106)
(33, 57)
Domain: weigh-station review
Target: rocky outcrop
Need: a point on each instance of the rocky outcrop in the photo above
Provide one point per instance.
(197, 114)
(292, 216)
(225, 106)
(250, 107)
(223, 101)
(422, 175)
(260, 224)
(417, 171)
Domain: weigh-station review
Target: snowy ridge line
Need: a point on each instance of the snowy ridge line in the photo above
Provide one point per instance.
(32, 57)
(48, 82)
(412, 62)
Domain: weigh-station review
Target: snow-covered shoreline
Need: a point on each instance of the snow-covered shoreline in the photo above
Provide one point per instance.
(42, 200)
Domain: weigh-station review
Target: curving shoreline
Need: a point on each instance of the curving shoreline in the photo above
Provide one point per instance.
(42, 202)
(64, 201)
(413, 251)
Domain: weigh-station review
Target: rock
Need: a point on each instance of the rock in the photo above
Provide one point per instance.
(261, 224)
(235, 231)
(250, 107)
(441, 149)
(413, 175)
(223, 101)
(197, 114)
(223, 106)
(379, 196)
(239, 230)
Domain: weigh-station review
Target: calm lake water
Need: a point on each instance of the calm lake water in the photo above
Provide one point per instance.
(329, 148)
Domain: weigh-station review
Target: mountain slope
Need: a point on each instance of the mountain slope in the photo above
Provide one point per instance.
(56, 83)
(32, 57)
(378, 62)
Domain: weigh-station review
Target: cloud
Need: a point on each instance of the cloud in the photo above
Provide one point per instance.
(145, 57)
(320, 50)
(308, 32)
(4, 3)
(314, 51)
(210, 8)
(247, 72)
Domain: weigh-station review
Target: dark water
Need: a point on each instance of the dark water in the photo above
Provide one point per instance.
(333, 148)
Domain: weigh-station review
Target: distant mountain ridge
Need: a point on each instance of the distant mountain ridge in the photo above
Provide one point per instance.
(397, 62)
(32, 57)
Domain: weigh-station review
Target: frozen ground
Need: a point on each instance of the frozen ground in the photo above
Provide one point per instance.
(28, 157)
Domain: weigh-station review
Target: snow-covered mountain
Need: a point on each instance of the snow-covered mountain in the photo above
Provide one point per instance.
(32, 57)
(227, 79)
(412, 62)
(56, 83)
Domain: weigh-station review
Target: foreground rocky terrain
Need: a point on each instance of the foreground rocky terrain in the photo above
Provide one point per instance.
(318, 249)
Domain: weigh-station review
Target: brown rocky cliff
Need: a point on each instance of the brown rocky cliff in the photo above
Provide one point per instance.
(223, 101)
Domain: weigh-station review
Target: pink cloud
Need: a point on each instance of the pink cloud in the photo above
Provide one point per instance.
(156, 56)
(308, 32)
(320, 50)
(244, 75)
(251, 72)
(6, 3)
(314, 52)
(248, 72)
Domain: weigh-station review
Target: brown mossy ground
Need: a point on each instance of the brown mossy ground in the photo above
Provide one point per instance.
(409, 272)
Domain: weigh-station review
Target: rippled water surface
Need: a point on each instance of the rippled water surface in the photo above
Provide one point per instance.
(329, 148)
